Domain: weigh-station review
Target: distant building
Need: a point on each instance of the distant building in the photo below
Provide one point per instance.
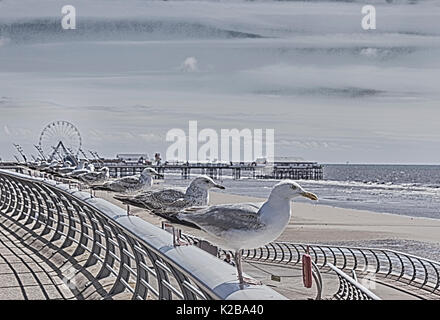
(133, 157)
(282, 161)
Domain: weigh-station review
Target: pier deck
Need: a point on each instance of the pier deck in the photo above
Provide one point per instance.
(296, 171)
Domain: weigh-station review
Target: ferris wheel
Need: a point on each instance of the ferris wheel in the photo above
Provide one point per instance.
(60, 137)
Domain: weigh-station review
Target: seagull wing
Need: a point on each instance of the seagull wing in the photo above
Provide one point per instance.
(220, 218)
(88, 177)
(153, 200)
(128, 181)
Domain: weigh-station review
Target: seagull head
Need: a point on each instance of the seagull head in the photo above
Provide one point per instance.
(150, 172)
(290, 189)
(205, 182)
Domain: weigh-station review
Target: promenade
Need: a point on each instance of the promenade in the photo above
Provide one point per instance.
(30, 270)
(25, 273)
(58, 243)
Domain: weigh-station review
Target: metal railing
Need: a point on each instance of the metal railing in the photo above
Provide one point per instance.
(117, 253)
(405, 270)
(350, 289)
(411, 270)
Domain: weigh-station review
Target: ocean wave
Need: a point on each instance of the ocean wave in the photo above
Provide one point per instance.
(374, 185)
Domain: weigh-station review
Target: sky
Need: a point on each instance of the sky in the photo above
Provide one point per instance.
(133, 70)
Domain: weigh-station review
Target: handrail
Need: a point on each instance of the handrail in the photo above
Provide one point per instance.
(136, 256)
(411, 270)
(350, 289)
(318, 280)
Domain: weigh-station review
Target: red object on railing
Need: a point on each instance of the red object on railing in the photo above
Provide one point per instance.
(307, 270)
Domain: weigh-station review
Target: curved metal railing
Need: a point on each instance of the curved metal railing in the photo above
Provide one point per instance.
(409, 269)
(350, 289)
(117, 253)
(402, 268)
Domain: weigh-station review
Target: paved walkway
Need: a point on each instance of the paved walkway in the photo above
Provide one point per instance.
(35, 268)
(24, 272)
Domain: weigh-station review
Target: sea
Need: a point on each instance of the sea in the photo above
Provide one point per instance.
(411, 190)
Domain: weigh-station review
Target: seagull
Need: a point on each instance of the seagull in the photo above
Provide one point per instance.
(66, 168)
(51, 166)
(245, 226)
(130, 183)
(170, 201)
(96, 177)
(83, 167)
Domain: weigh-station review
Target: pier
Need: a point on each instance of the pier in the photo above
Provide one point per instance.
(279, 170)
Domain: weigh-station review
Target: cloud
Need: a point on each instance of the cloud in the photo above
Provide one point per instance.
(4, 41)
(150, 137)
(311, 144)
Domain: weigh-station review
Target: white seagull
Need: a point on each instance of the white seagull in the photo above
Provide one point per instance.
(169, 201)
(67, 167)
(245, 226)
(95, 177)
(130, 183)
(83, 167)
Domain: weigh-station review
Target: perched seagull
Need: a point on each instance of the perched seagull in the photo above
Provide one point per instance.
(51, 166)
(68, 167)
(95, 177)
(169, 201)
(42, 165)
(77, 172)
(83, 167)
(245, 226)
(130, 183)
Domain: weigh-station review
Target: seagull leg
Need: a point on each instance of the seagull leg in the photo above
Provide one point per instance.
(176, 239)
(237, 258)
(241, 279)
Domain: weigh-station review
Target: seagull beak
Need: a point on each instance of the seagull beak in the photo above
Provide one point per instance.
(309, 195)
(219, 186)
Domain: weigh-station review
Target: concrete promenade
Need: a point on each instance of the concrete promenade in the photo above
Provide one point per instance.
(32, 267)
(25, 273)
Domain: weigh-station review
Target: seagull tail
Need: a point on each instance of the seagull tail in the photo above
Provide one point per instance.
(100, 187)
(173, 218)
(125, 199)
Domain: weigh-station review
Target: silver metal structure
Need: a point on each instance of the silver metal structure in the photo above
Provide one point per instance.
(408, 272)
(115, 254)
(351, 289)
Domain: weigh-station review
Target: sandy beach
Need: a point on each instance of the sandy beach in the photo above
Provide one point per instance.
(315, 223)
